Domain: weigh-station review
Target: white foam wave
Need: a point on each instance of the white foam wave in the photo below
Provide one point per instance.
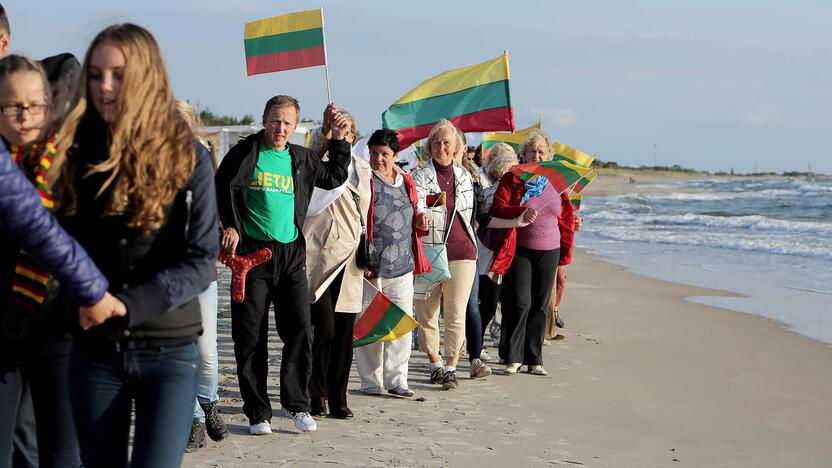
(752, 222)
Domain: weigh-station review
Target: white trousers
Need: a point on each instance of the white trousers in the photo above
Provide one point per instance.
(387, 362)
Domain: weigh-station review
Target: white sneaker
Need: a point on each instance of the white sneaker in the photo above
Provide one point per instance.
(485, 356)
(513, 367)
(538, 370)
(303, 421)
(261, 428)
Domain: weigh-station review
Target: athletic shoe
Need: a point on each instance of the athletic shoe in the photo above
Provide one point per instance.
(401, 391)
(485, 356)
(538, 370)
(437, 375)
(560, 323)
(214, 424)
(261, 428)
(303, 421)
(196, 440)
(479, 370)
(449, 380)
(372, 391)
(513, 367)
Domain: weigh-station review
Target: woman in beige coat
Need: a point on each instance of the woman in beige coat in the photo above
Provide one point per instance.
(332, 230)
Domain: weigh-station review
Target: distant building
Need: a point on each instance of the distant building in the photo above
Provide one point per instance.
(222, 138)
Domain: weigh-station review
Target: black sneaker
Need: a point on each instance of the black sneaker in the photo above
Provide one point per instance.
(213, 422)
(449, 381)
(437, 376)
(559, 322)
(197, 438)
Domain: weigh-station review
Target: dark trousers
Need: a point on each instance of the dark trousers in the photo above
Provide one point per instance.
(282, 282)
(525, 296)
(474, 322)
(105, 384)
(489, 296)
(46, 371)
(331, 348)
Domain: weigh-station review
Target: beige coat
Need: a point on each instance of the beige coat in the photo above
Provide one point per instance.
(332, 239)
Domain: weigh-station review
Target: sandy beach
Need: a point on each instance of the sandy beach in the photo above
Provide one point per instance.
(644, 378)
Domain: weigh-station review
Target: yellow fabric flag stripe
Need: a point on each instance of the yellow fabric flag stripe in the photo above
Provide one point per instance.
(460, 79)
(292, 22)
(572, 154)
(517, 137)
(405, 325)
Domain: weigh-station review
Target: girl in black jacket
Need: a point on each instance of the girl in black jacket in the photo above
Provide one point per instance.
(138, 194)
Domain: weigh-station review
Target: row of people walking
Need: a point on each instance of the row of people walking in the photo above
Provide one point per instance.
(119, 164)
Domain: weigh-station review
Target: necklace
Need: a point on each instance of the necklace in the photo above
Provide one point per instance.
(444, 180)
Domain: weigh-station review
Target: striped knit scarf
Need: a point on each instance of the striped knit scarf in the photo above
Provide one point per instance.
(29, 283)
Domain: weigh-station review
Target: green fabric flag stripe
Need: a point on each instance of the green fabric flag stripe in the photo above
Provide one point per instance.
(383, 327)
(287, 42)
(429, 110)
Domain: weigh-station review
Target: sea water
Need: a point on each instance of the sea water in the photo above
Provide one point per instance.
(769, 240)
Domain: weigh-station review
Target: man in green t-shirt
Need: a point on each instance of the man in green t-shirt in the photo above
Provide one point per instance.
(264, 185)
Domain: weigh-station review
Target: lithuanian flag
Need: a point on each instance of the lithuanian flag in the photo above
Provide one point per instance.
(515, 140)
(585, 180)
(575, 200)
(562, 174)
(563, 152)
(294, 40)
(475, 99)
(382, 321)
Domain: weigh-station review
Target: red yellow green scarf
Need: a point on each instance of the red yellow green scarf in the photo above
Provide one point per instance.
(29, 283)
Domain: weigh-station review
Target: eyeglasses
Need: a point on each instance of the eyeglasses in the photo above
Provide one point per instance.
(13, 110)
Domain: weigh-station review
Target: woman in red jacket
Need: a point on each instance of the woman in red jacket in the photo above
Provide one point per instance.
(529, 257)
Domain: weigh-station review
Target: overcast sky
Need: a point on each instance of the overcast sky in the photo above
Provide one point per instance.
(714, 85)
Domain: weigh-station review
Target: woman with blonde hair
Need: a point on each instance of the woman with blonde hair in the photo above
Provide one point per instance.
(447, 192)
(529, 256)
(137, 192)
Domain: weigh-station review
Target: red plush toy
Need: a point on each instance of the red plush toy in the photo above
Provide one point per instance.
(240, 265)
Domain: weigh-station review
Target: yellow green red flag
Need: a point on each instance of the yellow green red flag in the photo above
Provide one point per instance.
(474, 98)
(563, 152)
(293, 40)
(515, 140)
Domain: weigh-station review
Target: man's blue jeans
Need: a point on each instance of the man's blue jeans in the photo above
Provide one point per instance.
(104, 385)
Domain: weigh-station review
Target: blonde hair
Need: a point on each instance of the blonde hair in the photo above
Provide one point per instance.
(187, 111)
(500, 159)
(446, 125)
(151, 150)
(535, 137)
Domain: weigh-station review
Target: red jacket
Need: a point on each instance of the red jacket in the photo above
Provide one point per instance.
(420, 260)
(506, 205)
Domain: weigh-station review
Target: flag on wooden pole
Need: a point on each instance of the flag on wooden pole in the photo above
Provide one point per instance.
(286, 42)
(474, 98)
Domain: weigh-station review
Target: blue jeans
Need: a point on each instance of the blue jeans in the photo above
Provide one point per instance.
(104, 385)
(207, 363)
(45, 368)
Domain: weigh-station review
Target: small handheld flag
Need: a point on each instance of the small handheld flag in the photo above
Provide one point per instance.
(382, 321)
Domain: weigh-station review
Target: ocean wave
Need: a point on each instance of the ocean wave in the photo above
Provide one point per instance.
(793, 245)
(752, 222)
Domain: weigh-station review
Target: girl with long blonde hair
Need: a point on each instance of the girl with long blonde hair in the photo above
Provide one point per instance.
(137, 192)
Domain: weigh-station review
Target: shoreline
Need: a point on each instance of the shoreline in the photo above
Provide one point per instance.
(644, 378)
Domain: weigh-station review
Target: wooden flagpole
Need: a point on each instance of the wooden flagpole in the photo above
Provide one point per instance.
(326, 59)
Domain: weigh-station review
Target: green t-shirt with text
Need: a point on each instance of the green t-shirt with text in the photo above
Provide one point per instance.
(271, 198)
